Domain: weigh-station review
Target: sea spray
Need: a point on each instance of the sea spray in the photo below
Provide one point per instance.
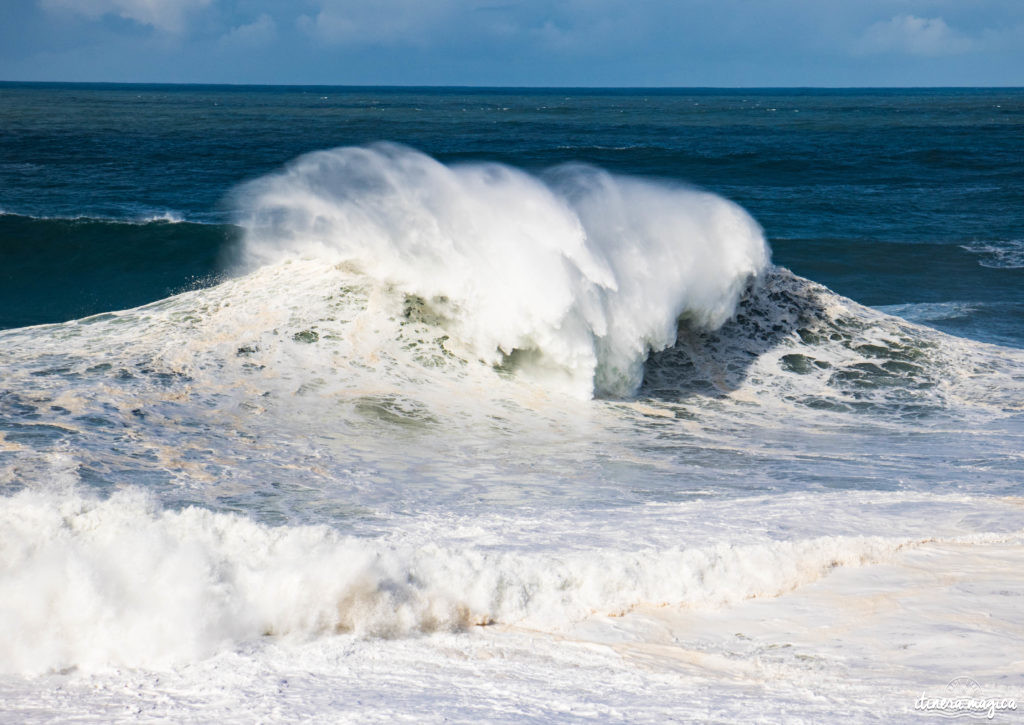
(576, 275)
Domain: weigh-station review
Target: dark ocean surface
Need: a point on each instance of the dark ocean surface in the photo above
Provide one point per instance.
(118, 195)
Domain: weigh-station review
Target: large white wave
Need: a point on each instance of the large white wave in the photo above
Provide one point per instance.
(122, 582)
(580, 273)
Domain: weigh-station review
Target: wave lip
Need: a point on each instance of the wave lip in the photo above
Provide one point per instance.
(575, 276)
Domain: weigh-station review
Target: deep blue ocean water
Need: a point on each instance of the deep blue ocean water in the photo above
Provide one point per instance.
(909, 198)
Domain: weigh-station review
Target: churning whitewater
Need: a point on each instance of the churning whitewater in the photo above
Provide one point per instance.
(576, 419)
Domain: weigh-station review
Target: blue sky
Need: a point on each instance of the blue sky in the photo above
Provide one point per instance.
(524, 42)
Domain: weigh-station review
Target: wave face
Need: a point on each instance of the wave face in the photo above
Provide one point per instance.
(55, 270)
(577, 274)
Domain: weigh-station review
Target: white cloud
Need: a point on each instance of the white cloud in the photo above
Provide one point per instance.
(261, 31)
(166, 15)
(908, 34)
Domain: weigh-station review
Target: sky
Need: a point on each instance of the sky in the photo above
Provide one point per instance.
(610, 43)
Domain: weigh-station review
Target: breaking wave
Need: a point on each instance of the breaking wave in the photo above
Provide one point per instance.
(94, 583)
(379, 348)
(578, 273)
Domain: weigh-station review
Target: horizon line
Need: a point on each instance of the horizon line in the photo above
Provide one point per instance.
(460, 86)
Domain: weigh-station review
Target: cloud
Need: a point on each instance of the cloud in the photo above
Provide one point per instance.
(518, 42)
(348, 22)
(166, 15)
(261, 31)
(911, 35)
(479, 32)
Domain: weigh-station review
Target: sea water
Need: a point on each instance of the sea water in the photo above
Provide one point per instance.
(509, 405)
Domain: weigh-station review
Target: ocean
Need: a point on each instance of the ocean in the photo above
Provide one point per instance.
(510, 405)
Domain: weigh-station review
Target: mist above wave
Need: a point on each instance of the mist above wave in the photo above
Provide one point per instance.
(576, 275)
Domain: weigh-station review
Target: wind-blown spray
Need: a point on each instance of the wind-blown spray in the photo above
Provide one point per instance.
(576, 275)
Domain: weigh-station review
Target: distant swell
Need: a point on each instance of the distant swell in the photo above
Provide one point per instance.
(60, 269)
(576, 275)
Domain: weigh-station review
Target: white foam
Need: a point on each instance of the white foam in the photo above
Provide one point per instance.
(925, 312)
(93, 583)
(170, 217)
(586, 270)
(1008, 254)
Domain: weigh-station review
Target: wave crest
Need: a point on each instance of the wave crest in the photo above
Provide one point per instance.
(578, 274)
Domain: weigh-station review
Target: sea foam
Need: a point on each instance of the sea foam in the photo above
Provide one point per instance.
(575, 275)
(93, 583)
